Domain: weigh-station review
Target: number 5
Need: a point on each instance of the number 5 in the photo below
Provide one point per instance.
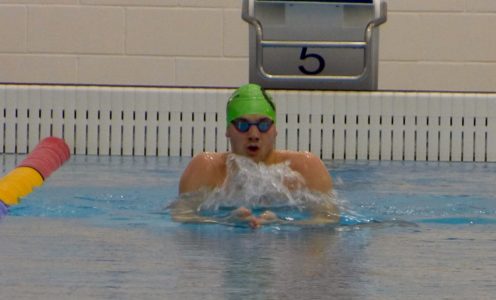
(320, 59)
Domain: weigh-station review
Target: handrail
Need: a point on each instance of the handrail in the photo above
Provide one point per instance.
(248, 16)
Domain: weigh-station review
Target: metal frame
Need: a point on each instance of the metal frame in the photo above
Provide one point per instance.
(293, 81)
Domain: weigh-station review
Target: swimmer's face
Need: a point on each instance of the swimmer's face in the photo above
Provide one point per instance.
(253, 143)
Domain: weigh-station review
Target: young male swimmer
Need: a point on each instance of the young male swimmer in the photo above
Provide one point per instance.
(251, 130)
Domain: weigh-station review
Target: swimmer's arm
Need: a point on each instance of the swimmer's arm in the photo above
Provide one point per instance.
(204, 172)
(317, 179)
(185, 210)
(321, 214)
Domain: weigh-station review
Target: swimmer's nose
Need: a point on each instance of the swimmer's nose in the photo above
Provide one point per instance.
(253, 133)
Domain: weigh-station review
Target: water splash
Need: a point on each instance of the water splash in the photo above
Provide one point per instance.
(260, 187)
(256, 185)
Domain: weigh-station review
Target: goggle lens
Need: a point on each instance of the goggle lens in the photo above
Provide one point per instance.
(243, 125)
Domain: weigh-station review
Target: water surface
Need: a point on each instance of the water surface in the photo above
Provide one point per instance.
(97, 229)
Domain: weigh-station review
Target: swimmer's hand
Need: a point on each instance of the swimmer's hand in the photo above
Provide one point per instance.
(321, 214)
(185, 210)
(244, 215)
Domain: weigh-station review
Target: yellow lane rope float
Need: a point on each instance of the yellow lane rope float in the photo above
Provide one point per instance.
(45, 158)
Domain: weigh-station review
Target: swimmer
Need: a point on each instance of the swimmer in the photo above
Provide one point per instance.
(251, 130)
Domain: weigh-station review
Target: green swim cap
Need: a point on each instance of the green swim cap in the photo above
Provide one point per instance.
(250, 99)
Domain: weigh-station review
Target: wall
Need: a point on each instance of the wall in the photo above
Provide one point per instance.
(443, 45)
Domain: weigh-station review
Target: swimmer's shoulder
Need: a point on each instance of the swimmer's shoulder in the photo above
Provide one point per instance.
(210, 158)
(297, 157)
(205, 170)
(310, 166)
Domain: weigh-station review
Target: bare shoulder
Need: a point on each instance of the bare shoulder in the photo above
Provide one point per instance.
(205, 170)
(208, 159)
(301, 160)
(311, 167)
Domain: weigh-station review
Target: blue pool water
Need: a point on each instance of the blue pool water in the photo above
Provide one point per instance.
(98, 229)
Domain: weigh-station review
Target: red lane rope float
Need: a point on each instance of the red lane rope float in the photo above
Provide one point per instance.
(45, 159)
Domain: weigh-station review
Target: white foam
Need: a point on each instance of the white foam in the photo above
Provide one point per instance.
(256, 185)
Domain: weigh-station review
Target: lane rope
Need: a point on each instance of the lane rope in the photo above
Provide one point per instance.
(39, 164)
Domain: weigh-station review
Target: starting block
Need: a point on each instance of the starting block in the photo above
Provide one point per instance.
(319, 44)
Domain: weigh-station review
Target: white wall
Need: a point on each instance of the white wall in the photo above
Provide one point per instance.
(443, 45)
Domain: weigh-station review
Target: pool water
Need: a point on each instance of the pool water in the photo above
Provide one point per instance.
(98, 229)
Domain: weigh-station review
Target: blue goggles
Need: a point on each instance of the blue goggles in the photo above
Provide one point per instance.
(243, 125)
